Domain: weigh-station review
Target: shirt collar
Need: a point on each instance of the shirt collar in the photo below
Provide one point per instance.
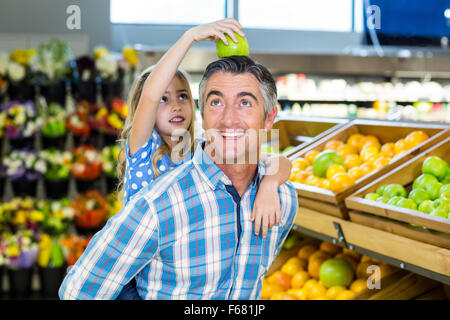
(212, 173)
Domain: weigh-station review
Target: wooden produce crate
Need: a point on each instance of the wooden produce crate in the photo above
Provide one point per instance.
(301, 131)
(331, 203)
(397, 220)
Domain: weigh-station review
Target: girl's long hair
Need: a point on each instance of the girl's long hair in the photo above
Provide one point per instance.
(132, 103)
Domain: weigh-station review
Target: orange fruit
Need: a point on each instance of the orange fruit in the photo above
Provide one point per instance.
(366, 168)
(333, 292)
(291, 268)
(346, 150)
(352, 253)
(306, 251)
(365, 258)
(299, 294)
(358, 285)
(350, 259)
(296, 260)
(333, 169)
(278, 296)
(345, 295)
(319, 254)
(294, 171)
(386, 269)
(333, 145)
(369, 140)
(299, 279)
(352, 160)
(414, 139)
(309, 169)
(311, 155)
(368, 152)
(361, 269)
(314, 266)
(355, 173)
(354, 140)
(301, 176)
(330, 248)
(341, 181)
(288, 296)
(313, 181)
(281, 278)
(317, 291)
(381, 162)
(309, 284)
(269, 289)
(300, 163)
(388, 150)
(400, 146)
(325, 184)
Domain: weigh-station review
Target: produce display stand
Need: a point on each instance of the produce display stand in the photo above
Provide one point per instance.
(395, 219)
(386, 131)
(302, 131)
(424, 259)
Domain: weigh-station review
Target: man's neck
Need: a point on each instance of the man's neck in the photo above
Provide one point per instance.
(241, 175)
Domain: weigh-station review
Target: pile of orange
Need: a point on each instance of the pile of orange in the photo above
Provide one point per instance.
(363, 154)
(298, 278)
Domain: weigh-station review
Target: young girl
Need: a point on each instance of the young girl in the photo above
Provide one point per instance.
(160, 103)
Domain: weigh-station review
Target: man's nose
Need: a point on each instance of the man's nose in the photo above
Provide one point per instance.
(230, 115)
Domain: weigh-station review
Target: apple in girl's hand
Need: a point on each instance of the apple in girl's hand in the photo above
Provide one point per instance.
(232, 49)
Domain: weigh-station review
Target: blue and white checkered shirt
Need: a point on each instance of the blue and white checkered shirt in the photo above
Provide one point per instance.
(185, 236)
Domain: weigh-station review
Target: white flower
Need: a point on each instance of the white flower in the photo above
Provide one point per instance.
(16, 71)
(4, 61)
(107, 166)
(68, 212)
(40, 166)
(106, 65)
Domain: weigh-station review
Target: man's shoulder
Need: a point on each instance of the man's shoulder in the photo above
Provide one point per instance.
(164, 182)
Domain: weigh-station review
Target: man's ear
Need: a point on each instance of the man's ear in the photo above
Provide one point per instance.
(271, 116)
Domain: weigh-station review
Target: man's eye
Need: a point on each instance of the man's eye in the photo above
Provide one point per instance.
(245, 103)
(163, 100)
(215, 102)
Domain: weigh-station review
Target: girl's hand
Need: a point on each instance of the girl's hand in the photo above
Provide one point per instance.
(266, 209)
(215, 30)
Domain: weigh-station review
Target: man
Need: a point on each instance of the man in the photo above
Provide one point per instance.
(189, 234)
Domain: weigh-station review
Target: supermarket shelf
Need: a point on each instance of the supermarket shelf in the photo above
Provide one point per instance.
(421, 258)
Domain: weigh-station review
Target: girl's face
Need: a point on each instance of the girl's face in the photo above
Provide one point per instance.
(174, 110)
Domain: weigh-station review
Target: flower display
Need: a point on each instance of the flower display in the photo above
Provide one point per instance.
(2, 122)
(77, 122)
(73, 247)
(91, 209)
(54, 122)
(110, 156)
(52, 60)
(21, 249)
(57, 216)
(58, 164)
(114, 205)
(130, 55)
(21, 120)
(24, 165)
(22, 213)
(87, 163)
(50, 252)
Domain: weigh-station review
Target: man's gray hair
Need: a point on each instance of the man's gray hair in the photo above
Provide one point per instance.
(240, 65)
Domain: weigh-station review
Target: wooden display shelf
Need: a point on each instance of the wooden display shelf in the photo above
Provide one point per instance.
(422, 258)
(404, 175)
(385, 131)
(302, 131)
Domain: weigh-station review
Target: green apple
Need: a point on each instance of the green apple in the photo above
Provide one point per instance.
(445, 195)
(446, 179)
(435, 166)
(426, 206)
(439, 213)
(433, 190)
(382, 199)
(445, 188)
(419, 195)
(407, 203)
(441, 204)
(393, 201)
(232, 49)
(394, 190)
(380, 189)
(371, 196)
(423, 180)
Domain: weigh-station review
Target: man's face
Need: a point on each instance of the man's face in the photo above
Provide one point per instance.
(233, 116)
